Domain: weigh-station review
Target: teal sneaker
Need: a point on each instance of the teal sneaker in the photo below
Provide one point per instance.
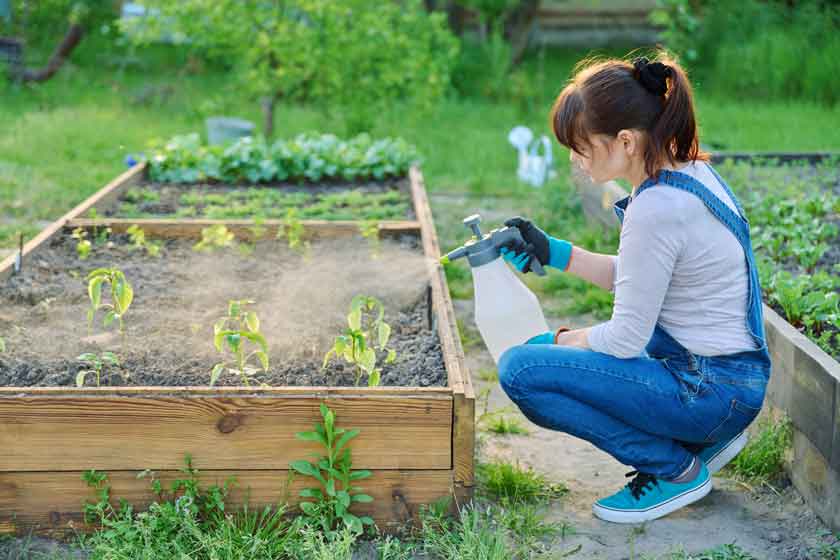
(647, 497)
(718, 454)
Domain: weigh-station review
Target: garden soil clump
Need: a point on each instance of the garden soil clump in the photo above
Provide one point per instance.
(302, 301)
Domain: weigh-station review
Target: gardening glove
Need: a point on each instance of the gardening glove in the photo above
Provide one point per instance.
(547, 250)
(548, 337)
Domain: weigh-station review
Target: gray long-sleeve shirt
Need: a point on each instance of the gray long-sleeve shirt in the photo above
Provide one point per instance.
(679, 265)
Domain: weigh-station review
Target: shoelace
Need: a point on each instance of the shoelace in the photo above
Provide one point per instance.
(639, 485)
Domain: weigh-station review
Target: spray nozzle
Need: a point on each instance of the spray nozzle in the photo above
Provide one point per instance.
(484, 248)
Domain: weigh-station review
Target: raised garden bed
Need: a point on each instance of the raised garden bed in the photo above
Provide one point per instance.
(416, 428)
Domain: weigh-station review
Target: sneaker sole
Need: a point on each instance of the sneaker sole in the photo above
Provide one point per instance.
(640, 516)
(726, 454)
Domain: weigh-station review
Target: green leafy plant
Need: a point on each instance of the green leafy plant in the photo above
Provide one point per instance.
(293, 230)
(762, 460)
(306, 157)
(96, 364)
(2, 345)
(215, 237)
(335, 494)
(367, 332)
(121, 291)
(138, 241)
(230, 333)
(83, 244)
(503, 425)
(502, 480)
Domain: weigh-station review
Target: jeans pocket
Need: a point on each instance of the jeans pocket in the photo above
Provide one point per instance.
(740, 416)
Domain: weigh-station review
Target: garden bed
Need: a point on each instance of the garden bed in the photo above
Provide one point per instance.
(417, 440)
(380, 200)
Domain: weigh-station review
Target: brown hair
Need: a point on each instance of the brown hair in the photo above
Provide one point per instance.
(606, 96)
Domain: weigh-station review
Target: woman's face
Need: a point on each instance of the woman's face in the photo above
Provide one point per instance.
(605, 158)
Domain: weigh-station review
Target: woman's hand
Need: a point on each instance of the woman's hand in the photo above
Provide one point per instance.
(548, 250)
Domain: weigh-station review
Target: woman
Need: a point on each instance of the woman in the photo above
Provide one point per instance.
(670, 383)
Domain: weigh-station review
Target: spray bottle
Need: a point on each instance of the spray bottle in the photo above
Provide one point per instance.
(507, 313)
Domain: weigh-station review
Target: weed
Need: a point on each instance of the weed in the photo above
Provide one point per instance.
(231, 332)
(187, 521)
(2, 345)
(122, 295)
(95, 366)
(215, 237)
(476, 535)
(505, 481)
(762, 460)
(491, 375)
(83, 245)
(333, 498)
(503, 425)
(139, 241)
(367, 331)
(314, 545)
(722, 552)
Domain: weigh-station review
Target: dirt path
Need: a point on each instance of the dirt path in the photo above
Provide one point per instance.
(766, 523)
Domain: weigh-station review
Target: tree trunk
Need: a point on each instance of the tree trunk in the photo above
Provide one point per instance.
(456, 15)
(518, 28)
(268, 102)
(60, 54)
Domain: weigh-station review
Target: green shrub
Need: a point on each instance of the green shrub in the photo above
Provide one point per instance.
(779, 51)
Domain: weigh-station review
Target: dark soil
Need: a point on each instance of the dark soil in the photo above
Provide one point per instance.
(169, 194)
(302, 303)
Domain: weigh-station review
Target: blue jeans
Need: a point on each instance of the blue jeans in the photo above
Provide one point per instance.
(647, 412)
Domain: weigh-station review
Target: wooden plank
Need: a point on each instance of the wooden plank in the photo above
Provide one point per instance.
(111, 190)
(314, 391)
(51, 503)
(463, 423)
(243, 229)
(70, 433)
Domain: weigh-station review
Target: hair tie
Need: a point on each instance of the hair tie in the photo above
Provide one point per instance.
(652, 75)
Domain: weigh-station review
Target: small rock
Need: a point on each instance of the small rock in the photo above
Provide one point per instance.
(100, 339)
(775, 537)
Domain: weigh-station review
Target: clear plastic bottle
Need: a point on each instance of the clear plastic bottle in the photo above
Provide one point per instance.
(507, 313)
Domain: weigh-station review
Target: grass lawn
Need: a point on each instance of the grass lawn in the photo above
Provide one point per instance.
(62, 140)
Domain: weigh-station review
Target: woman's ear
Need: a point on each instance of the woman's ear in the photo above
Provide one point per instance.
(628, 141)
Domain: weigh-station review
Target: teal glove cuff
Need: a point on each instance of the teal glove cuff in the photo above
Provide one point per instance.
(560, 253)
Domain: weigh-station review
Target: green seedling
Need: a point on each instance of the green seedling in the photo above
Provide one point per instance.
(258, 230)
(502, 425)
(230, 334)
(2, 345)
(83, 244)
(122, 295)
(367, 332)
(335, 475)
(293, 230)
(95, 366)
(100, 234)
(215, 237)
(139, 241)
(370, 231)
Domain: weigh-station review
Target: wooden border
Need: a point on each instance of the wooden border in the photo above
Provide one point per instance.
(110, 192)
(463, 424)
(439, 420)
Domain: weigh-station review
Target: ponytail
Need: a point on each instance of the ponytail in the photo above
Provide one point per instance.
(607, 96)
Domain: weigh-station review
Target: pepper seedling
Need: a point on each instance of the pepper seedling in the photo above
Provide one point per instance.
(122, 295)
(139, 241)
(367, 331)
(215, 237)
(83, 244)
(370, 231)
(95, 366)
(293, 230)
(230, 333)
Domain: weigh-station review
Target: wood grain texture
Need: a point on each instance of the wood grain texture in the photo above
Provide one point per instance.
(65, 433)
(102, 196)
(463, 424)
(243, 229)
(51, 503)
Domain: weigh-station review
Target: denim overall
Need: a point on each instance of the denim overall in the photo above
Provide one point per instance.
(653, 412)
